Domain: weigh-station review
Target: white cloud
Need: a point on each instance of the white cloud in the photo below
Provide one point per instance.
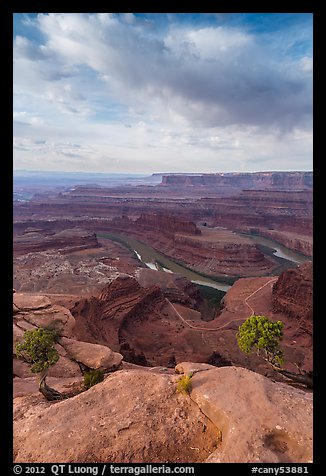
(306, 64)
(184, 93)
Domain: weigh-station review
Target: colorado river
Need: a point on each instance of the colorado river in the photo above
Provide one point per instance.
(155, 260)
(280, 250)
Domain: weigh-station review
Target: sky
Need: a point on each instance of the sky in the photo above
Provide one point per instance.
(146, 93)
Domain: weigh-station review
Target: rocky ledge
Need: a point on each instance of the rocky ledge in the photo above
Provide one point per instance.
(167, 224)
(300, 243)
(135, 416)
(33, 311)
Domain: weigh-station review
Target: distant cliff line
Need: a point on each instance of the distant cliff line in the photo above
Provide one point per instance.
(245, 180)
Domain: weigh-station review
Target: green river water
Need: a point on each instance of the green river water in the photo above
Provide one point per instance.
(155, 260)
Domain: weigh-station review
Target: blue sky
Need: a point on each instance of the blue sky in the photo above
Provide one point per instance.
(144, 93)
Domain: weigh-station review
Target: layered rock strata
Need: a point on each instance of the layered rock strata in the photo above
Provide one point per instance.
(242, 180)
(167, 224)
(212, 252)
(68, 240)
(139, 322)
(300, 243)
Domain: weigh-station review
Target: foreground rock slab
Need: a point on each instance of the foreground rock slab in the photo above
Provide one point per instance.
(261, 420)
(133, 416)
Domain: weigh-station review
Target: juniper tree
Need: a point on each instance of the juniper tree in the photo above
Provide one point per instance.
(261, 335)
(37, 348)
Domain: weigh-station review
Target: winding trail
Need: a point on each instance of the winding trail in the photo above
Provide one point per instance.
(203, 328)
(227, 323)
(256, 291)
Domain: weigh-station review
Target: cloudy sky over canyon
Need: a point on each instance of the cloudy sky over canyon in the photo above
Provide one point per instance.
(143, 93)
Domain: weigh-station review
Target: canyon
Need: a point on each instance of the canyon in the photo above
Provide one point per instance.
(276, 212)
(147, 326)
(137, 402)
(151, 281)
(81, 242)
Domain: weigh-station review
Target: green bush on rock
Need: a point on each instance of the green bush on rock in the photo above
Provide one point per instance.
(93, 377)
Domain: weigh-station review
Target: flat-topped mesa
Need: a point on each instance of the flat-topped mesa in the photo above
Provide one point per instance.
(167, 224)
(301, 180)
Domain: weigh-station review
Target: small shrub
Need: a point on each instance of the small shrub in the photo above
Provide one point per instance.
(93, 377)
(184, 384)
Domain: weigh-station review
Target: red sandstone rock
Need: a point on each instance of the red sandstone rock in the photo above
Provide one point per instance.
(122, 300)
(37, 310)
(282, 201)
(299, 243)
(293, 293)
(78, 272)
(241, 180)
(30, 386)
(137, 322)
(21, 369)
(65, 367)
(28, 302)
(175, 288)
(132, 417)
(245, 297)
(261, 421)
(17, 334)
(147, 329)
(135, 416)
(93, 356)
(141, 324)
(167, 224)
(191, 367)
(213, 252)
